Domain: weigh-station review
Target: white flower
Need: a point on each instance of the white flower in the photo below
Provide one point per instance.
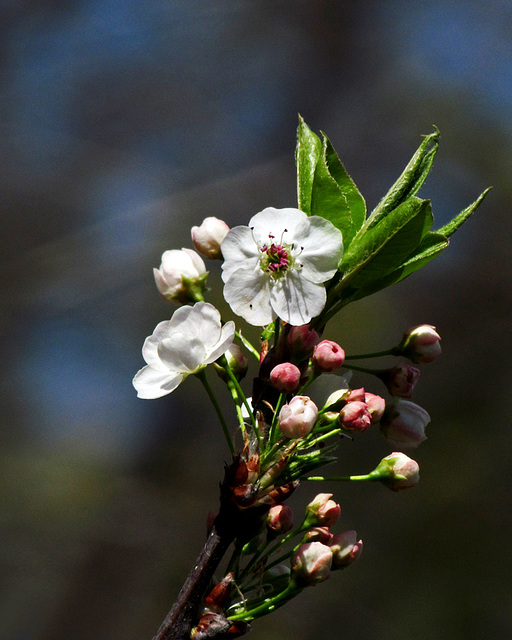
(180, 273)
(277, 265)
(185, 344)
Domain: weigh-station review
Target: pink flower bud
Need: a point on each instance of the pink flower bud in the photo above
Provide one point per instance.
(318, 534)
(328, 356)
(209, 236)
(421, 344)
(345, 549)
(397, 471)
(401, 380)
(376, 406)
(355, 416)
(311, 563)
(298, 417)
(322, 511)
(301, 341)
(237, 361)
(285, 377)
(403, 424)
(182, 276)
(356, 394)
(279, 519)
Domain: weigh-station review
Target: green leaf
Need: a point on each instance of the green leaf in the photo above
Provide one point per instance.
(307, 154)
(409, 183)
(430, 246)
(380, 249)
(398, 247)
(347, 186)
(454, 224)
(328, 201)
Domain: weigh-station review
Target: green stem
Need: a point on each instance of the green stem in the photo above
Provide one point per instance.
(237, 400)
(272, 434)
(376, 354)
(247, 345)
(241, 395)
(308, 382)
(353, 367)
(269, 604)
(202, 377)
(369, 476)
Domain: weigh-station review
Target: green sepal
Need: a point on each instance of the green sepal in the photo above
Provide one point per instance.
(454, 224)
(411, 179)
(307, 154)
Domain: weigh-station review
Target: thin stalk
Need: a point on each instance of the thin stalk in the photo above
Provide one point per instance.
(268, 605)
(247, 345)
(376, 354)
(202, 377)
(367, 477)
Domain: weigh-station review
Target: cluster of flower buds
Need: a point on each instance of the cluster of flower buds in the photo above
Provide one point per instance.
(355, 409)
(320, 550)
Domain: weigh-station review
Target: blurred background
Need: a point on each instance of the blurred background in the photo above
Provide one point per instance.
(122, 124)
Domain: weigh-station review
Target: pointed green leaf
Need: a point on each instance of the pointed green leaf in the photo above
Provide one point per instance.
(409, 183)
(328, 201)
(454, 224)
(347, 186)
(368, 243)
(307, 153)
(398, 247)
(431, 245)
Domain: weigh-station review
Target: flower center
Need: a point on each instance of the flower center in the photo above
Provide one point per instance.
(276, 259)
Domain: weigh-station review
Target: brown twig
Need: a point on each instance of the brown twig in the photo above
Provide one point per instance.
(183, 614)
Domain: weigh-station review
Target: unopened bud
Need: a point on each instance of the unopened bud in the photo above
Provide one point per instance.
(311, 564)
(355, 416)
(403, 424)
(328, 356)
(322, 511)
(400, 380)
(181, 276)
(318, 534)
(279, 519)
(285, 377)
(208, 237)
(421, 344)
(397, 471)
(298, 417)
(357, 394)
(217, 599)
(346, 548)
(376, 406)
(237, 362)
(301, 341)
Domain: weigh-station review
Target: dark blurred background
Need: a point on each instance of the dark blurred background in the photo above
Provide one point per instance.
(123, 123)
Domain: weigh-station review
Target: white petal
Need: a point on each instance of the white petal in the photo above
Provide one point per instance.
(238, 248)
(323, 249)
(182, 352)
(204, 323)
(247, 293)
(281, 223)
(154, 383)
(296, 300)
(226, 339)
(184, 262)
(150, 346)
